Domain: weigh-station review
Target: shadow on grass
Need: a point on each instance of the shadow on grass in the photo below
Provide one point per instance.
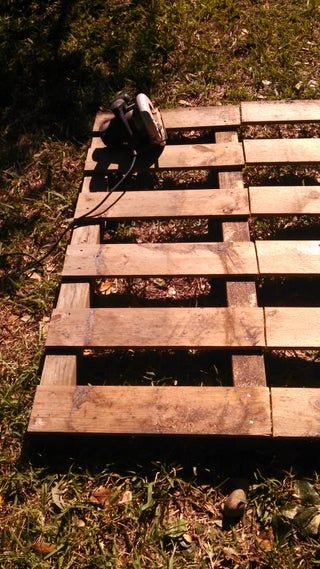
(213, 457)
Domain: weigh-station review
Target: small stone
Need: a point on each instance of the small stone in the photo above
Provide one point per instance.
(235, 504)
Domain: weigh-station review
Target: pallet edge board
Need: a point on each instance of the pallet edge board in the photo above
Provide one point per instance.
(176, 157)
(166, 203)
(158, 327)
(285, 329)
(296, 411)
(281, 151)
(161, 259)
(152, 410)
(189, 118)
(285, 111)
(289, 258)
(286, 200)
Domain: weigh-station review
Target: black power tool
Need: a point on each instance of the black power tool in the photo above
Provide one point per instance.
(138, 125)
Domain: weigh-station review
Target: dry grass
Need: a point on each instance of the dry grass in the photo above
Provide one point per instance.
(61, 61)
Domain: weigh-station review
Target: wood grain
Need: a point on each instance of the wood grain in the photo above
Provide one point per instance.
(283, 200)
(190, 118)
(58, 369)
(161, 259)
(292, 327)
(282, 151)
(152, 410)
(254, 112)
(157, 327)
(288, 257)
(166, 204)
(176, 157)
(247, 369)
(295, 411)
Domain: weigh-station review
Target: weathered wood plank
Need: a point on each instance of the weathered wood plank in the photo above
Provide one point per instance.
(292, 327)
(295, 411)
(176, 157)
(157, 327)
(284, 200)
(282, 151)
(152, 410)
(288, 257)
(166, 204)
(190, 118)
(263, 112)
(161, 259)
(58, 369)
(247, 369)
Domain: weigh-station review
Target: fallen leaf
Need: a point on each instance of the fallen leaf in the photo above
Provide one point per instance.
(107, 287)
(35, 277)
(100, 496)
(265, 540)
(43, 547)
(126, 497)
(159, 282)
(56, 497)
(79, 523)
(26, 318)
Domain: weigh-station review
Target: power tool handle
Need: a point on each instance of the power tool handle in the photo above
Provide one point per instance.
(119, 109)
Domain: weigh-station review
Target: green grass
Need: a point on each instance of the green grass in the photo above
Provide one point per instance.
(60, 62)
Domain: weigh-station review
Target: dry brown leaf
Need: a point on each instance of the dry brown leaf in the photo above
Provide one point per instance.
(265, 539)
(100, 496)
(107, 287)
(79, 523)
(126, 497)
(43, 547)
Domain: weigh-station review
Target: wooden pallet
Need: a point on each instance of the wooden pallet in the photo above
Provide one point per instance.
(244, 330)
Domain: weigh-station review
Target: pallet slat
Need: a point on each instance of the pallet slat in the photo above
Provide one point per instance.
(190, 118)
(288, 257)
(280, 112)
(292, 327)
(166, 204)
(176, 157)
(157, 327)
(295, 411)
(161, 259)
(286, 200)
(152, 410)
(282, 151)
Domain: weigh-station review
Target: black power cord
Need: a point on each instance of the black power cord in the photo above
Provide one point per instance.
(76, 221)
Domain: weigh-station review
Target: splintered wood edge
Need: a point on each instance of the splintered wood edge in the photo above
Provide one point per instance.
(151, 410)
(295, 411)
